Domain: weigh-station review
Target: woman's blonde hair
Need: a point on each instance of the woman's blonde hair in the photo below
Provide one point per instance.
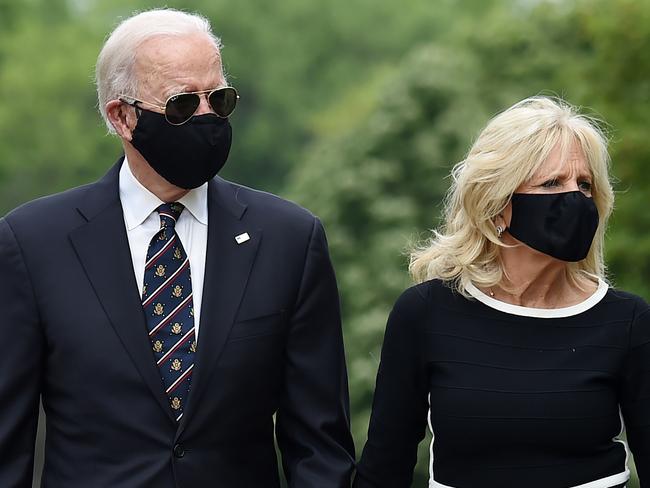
(509, 150)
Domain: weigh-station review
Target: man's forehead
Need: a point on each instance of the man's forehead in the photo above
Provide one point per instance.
(160, 51)
(169, 64)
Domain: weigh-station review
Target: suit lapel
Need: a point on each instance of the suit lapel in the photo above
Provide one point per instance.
(227, 268)
(102, 247)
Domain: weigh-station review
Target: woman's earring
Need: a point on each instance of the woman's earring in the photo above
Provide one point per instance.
(499, 231)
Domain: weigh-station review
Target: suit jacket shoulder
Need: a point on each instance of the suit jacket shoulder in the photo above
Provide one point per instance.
(59, 213)
(267, 205)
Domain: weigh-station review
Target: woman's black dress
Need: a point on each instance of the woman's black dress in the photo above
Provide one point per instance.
(514, 396)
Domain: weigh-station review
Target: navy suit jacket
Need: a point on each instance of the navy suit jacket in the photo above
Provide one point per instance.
(270, 352)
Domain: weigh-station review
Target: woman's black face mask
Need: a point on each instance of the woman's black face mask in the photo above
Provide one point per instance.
(186, 155)
(561, 225)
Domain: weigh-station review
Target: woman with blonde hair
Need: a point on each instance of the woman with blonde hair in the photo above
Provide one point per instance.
(513, 346)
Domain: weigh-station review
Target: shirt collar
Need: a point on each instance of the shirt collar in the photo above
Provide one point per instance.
(138, 202)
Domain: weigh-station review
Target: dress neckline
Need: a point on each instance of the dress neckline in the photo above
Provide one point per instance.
(544, 313)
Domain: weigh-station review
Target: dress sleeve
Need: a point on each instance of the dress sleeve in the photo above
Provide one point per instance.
(400, 405)
(635, 401)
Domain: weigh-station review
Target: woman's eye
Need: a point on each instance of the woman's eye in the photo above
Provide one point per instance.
(585, 185)
(550, 183)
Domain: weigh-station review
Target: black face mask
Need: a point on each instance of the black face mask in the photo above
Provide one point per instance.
(186, 155)
(561, 225)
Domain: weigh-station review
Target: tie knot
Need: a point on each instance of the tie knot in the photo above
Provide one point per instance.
(169, 213)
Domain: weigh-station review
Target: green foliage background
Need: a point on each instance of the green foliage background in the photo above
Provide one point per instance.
(355, 109)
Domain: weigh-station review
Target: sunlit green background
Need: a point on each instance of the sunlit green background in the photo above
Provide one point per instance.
(353, 108)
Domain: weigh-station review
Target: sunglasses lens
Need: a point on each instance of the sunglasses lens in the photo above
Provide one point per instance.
(181, 107)
(223, 101)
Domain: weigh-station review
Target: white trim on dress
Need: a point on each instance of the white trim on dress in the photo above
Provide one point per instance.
(608, 482)
(543, 313)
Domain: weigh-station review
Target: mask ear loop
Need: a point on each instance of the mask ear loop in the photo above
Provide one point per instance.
(134, 104)
(137, 110)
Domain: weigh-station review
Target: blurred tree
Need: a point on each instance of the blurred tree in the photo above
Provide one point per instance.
(294, 58)
(52, 136)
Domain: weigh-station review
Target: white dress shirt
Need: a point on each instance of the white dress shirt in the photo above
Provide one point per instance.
(142, 223)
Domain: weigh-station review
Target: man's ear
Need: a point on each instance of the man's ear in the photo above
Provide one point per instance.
(122, 118)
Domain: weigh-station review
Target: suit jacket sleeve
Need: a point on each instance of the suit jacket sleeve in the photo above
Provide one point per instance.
(21, 354)
(312, 423)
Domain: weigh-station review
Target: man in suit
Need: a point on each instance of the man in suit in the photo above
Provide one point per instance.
(171, 321)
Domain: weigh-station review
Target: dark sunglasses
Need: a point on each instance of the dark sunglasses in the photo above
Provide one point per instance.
(179, 108)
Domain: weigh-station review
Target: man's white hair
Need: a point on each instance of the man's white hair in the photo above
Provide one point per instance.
(115, 70)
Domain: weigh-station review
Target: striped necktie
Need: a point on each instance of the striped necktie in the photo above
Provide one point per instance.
(168, 307)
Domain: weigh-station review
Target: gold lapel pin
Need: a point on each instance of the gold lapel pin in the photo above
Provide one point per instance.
(241, 238)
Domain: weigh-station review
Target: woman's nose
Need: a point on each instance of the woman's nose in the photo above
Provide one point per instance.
(572, 185)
